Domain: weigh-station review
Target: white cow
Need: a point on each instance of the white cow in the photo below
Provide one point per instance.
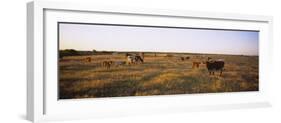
(131, 59)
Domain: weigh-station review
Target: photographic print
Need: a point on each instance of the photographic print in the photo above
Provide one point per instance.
(114, 60)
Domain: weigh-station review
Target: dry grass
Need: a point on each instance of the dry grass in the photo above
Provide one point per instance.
(158, 75)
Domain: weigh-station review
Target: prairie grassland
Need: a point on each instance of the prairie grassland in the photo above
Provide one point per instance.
(158, 75)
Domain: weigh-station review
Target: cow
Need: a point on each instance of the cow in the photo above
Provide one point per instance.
(138, 59)
(195, 64)
(134, 58)
(131, 60)
(107, 64)
(215, 65)
(88, 59)
(182, 58)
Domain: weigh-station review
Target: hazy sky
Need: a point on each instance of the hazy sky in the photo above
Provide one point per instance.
(132, 38)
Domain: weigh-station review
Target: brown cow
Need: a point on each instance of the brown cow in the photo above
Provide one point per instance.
(182, 58)
(107, 64)
(88, 59)
(195, 64)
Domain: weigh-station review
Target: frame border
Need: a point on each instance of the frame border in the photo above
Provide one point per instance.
(36, 52)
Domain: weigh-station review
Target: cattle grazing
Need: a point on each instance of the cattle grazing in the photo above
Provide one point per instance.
(88, 59)
(107, 64)
(134, 58)
(195, 64)
(131, 60)
(138, 59)
(182, 58)
(215, 65)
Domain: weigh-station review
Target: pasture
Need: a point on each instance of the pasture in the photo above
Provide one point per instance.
(159, 74)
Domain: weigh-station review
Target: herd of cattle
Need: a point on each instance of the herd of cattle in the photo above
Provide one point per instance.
(131, 59)
(211, 64)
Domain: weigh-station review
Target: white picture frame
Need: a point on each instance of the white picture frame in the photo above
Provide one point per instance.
(42, 103)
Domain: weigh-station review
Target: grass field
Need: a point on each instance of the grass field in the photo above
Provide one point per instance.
(162, 74)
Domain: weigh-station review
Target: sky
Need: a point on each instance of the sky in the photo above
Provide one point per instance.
(87, 37)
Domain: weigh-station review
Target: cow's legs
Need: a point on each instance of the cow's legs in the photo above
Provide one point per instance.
(211, 72)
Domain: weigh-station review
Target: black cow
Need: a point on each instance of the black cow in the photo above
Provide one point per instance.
(138, 59)
(182, 58)
(215, 65)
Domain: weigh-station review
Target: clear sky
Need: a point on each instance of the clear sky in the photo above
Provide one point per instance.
(133, 38)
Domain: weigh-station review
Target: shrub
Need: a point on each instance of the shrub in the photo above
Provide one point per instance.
(68, 52)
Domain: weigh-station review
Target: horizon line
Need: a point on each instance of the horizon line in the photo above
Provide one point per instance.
(165, 52)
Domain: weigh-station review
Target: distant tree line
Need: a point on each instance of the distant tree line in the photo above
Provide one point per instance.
(73, 52)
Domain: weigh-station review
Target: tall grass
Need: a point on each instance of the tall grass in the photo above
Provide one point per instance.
(160, 75)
